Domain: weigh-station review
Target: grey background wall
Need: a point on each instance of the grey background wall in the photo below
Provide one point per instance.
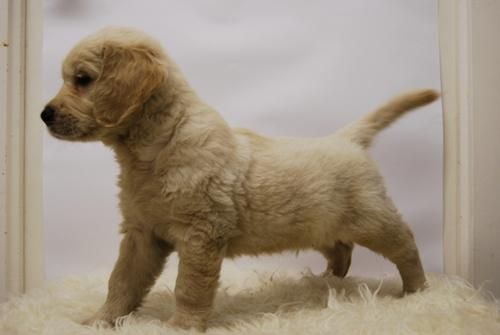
(283, 67)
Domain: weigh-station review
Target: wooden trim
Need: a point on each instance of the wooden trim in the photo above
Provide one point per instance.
(454, 34)
(21, 167)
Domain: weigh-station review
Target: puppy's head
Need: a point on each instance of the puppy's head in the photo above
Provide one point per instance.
(108, 77)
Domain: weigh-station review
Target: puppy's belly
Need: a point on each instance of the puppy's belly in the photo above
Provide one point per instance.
(279, 237)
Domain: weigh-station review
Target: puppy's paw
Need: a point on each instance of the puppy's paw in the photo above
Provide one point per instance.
(186, 322)
(99, 320)
(414, 284)
(95, 322)
(327, 273)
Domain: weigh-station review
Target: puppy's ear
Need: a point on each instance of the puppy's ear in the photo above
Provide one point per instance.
(128, 78)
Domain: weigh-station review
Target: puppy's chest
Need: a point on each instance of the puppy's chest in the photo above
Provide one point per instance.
(141, 197)
(147, 200)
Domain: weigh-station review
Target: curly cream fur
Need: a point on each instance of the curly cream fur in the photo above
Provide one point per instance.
(191, 184)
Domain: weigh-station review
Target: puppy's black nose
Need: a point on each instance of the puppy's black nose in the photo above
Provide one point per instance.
(48, 115)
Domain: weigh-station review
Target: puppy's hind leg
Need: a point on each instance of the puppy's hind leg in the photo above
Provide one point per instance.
(381, 229)
(338, 257)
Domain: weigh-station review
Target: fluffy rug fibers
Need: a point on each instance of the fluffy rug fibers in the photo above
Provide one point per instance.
(268, 303)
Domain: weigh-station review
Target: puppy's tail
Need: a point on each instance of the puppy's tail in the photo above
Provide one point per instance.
(364, 130)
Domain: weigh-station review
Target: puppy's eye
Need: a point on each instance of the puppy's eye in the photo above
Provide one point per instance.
(82, 80)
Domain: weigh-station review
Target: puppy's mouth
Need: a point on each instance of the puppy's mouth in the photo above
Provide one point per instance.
(65, 136)
(67, 129)
(68, 133)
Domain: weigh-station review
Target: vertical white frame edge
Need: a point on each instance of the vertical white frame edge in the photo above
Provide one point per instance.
(454, 36)
(33, 150)
(3, 147)
(21, 208)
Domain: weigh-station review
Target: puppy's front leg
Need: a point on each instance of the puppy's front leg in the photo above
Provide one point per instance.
(141, 260)
(200, 259)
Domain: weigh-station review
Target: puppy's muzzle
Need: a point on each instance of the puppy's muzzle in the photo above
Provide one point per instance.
(48, 115)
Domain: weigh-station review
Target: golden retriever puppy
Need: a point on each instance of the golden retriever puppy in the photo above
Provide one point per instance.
(191, 184)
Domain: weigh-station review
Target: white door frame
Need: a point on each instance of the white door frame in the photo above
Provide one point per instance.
(21, 247)
(470, 50)
(454, 36)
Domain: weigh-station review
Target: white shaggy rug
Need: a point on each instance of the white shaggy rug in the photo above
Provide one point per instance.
(272, 303)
